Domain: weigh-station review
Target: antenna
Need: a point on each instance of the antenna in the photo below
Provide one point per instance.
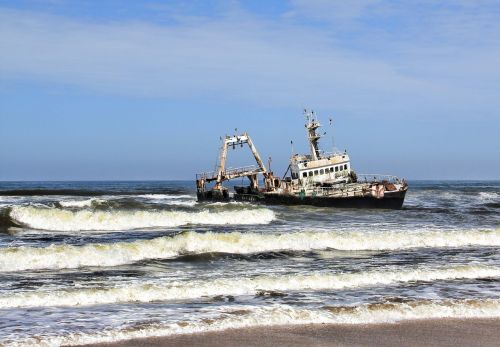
(333, 135)
(312, 136)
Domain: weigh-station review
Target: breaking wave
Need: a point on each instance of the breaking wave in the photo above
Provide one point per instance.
(80, 203)
(252, 316)
(5, 220)
(130, 201)
(45, 218)
(489, 196)
(175, 290)
(69, 256)
(165, 196)
(170, 199)
(87, 192)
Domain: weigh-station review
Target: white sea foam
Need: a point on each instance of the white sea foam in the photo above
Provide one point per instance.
(177, 203)
(252, 316)
(67, 220)
(225, 203)
(12, 200)
(170, 199)
(69, 256)
(165, 196)
(148, 292)
(489, 196)
(79, 203)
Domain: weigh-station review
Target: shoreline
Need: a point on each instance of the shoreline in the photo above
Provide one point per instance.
(430, 332)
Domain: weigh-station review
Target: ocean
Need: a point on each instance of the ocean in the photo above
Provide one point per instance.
(89, 262)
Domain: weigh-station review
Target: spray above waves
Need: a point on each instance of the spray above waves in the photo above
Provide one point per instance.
(252, 316)
(184, 290)
(45, 218)
(69, 256)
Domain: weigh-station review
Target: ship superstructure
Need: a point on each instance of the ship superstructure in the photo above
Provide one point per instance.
(318, 166)
(318, 178)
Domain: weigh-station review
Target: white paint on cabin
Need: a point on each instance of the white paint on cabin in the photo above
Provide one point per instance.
(333, 168)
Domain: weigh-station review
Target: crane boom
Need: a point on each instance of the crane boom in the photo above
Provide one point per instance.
(222, 174)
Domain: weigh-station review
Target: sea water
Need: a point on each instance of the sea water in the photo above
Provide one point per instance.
(86, 262)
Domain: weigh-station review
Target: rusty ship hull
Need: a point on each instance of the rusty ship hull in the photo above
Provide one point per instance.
(391, 200)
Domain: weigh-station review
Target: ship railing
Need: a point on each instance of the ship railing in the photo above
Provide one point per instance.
(230, 172)
(339, 190)
(369, 178)
(209, 175)
(331, 154)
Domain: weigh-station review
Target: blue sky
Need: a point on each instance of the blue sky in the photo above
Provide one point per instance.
(144, 89)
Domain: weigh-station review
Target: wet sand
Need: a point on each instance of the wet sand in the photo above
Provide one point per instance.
(442, 332)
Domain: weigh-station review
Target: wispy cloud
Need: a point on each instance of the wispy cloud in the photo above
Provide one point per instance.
(330, 10)
(414, 57)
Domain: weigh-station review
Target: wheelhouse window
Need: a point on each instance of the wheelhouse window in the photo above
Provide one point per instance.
(310, 173)
(336, 168)
(321, 172)
(304, 174)
(345, 167)
(315, 172)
